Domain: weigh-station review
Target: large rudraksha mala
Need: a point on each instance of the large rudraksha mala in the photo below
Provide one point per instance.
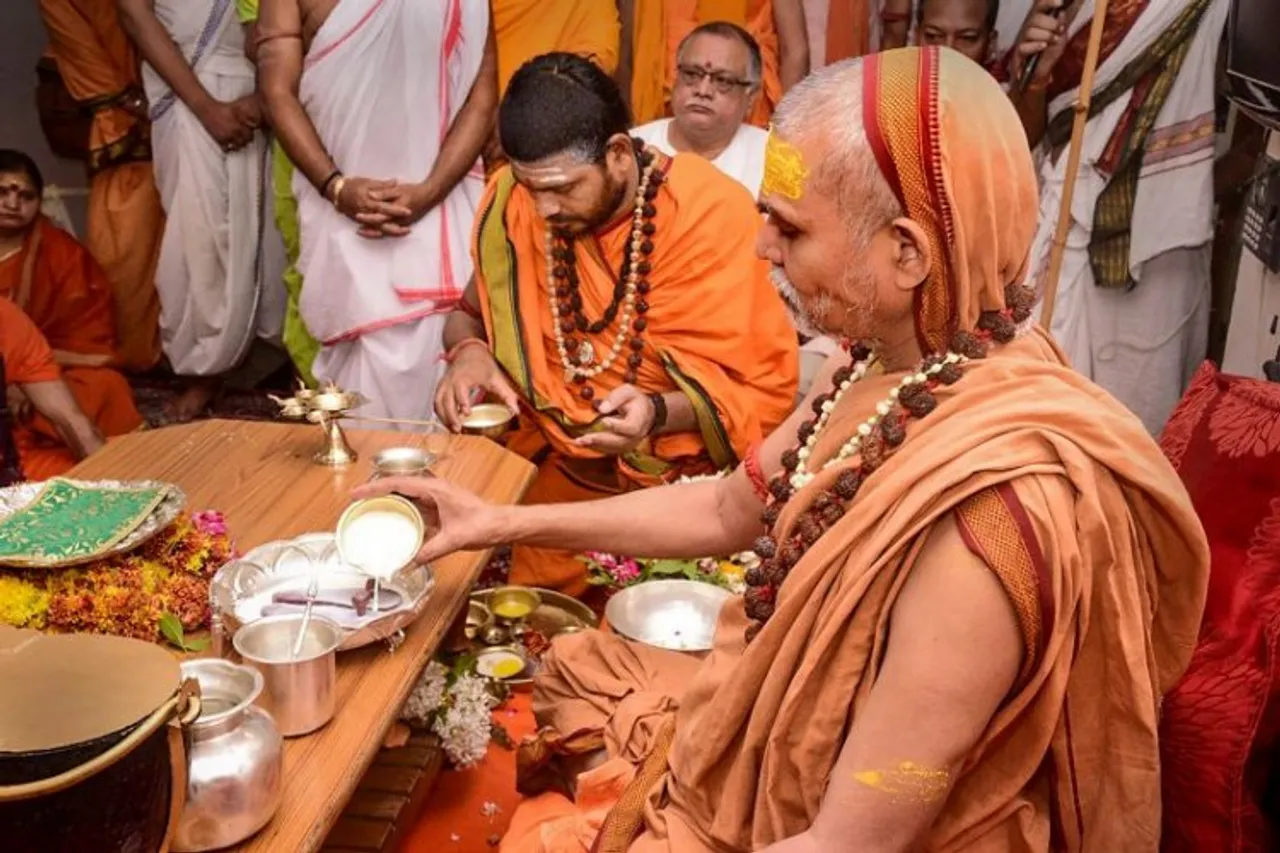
(871, 443)
(629, 302)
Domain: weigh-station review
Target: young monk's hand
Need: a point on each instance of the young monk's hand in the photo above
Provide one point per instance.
(627, 416)
(473, 372)
(456, 519)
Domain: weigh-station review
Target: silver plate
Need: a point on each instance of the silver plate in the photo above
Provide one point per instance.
(16, 497)
(242, 587)
(676, 615)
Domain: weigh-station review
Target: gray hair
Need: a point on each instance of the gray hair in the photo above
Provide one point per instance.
(826, 107)
(724, 29)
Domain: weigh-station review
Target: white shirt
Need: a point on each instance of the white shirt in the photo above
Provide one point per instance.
(742, 160)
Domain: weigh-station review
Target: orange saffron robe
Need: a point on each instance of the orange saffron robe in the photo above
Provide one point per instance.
(125, 222)
(658, 26)
(717, 331)
(523, 29)
(66, 297)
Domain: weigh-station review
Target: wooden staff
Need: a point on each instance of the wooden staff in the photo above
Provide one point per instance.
(1083, 101)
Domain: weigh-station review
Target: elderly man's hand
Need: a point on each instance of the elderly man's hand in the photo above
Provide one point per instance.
(457, 520)
(628, 416)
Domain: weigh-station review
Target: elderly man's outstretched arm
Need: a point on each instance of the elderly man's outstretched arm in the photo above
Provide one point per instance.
(683, 520)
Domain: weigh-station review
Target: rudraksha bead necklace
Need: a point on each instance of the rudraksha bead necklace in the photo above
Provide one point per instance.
(629, 303)
(882, 433)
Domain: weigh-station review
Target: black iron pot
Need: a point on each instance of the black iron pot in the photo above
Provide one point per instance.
(118, 791)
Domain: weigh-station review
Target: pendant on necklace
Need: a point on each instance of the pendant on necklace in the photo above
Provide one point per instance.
(586, 354)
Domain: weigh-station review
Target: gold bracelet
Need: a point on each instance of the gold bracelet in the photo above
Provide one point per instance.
(338, 184)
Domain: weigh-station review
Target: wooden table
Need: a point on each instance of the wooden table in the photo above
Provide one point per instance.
(260, 475)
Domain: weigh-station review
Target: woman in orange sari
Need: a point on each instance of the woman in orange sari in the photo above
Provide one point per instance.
(48, 275)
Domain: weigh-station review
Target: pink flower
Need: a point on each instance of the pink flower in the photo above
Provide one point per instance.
(608, 562)
(210, 522)
(626, 571)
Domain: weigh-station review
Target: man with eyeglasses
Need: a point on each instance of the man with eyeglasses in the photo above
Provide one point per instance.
(718, 68)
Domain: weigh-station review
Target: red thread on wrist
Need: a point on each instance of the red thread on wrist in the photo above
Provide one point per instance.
(452, 355)
(751, 464)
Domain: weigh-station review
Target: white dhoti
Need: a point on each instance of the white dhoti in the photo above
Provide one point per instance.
(218, 277)
(1141, 344)
(382, 83)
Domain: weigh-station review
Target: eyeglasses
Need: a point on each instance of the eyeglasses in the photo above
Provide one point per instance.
(691, 75)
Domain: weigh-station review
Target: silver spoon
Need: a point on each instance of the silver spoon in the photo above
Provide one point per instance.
(313, 589)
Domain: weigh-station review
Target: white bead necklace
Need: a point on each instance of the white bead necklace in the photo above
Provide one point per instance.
(581, 363)
(801, 477)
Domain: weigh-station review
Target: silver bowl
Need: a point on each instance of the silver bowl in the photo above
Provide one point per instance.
(676, 614)
(488, 420)
(402, 462)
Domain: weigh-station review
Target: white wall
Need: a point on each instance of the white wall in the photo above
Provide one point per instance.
(22, 41)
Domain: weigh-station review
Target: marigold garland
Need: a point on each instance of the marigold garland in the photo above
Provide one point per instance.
(125, 594)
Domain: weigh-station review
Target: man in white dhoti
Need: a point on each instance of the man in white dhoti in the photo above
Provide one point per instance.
(383, 106)
(1132, 306)
(220, 266)
(718, 72)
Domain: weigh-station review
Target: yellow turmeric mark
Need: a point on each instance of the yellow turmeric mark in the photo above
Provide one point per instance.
(784, 170)
(908, 781)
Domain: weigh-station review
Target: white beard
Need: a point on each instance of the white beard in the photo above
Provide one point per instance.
(803, 321)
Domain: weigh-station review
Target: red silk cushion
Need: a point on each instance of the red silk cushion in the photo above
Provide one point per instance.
(1221, 723)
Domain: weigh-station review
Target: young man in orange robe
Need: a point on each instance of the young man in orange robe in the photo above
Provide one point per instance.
(653, 29)
(101, 71)
(54, 280)
(617, 302)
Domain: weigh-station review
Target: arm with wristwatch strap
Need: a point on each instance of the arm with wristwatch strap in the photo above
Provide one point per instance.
(630, 414)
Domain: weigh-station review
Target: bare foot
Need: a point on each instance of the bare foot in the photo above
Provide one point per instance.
(193, 401)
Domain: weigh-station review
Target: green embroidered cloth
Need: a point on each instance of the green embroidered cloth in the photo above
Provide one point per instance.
(71, 521)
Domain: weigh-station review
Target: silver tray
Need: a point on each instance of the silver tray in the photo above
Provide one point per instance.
(16, 497)
(242, 587)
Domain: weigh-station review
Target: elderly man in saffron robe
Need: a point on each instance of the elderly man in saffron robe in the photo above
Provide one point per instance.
(63, 291)
(978, 572)
(618, 301)
(383, 106)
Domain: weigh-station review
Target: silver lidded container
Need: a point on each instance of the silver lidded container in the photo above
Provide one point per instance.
(235, 775)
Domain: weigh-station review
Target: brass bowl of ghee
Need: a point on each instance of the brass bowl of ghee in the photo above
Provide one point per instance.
(489, 420)
(505, 663)
(513, 603)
